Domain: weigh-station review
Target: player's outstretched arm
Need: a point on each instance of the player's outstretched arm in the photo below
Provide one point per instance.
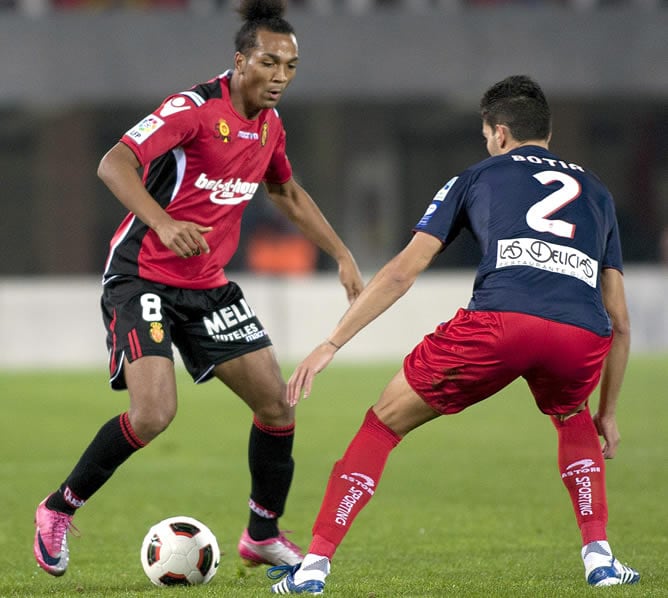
(299, 207)
(301, 381)
(390, 283)
(614, 298)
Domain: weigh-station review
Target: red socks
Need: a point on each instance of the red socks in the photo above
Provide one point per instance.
(354, 479)
(582, 471)
(352, 483)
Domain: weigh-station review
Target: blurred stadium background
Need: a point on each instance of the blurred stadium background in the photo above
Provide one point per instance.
(382, 112)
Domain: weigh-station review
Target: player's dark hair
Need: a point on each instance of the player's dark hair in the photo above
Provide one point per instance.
(260, 14)
(517, 102)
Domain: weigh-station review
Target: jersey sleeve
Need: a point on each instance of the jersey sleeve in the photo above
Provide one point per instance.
(444, 216)
(279, 170)
(613, 250)
(172, 124)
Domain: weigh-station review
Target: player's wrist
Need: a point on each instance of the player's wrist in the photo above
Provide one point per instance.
(330, 342)
(343, 256)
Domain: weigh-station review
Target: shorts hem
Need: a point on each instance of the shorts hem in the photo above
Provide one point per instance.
(207, 374)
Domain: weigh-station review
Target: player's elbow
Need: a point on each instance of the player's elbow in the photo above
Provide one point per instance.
(398, 278)
(103, 170)
(614, 299)
(118, 163)
(621, 326)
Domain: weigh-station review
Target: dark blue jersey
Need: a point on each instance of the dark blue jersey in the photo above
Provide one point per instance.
(546, 228)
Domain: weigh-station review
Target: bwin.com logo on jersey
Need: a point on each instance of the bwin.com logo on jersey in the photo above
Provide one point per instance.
(226, 192)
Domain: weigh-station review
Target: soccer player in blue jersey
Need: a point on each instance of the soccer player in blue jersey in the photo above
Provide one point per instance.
(548, 305)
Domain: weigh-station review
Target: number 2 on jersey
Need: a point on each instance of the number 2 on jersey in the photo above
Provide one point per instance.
(538, 215)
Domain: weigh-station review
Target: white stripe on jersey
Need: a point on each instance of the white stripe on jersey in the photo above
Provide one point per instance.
(180, 158)
(194, 96)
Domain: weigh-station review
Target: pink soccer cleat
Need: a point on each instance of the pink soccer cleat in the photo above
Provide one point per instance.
(50, 546)
(273, 551)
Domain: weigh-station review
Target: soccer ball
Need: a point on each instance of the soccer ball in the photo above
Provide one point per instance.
(180, 551)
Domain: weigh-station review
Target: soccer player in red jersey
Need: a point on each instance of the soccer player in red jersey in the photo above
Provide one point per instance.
(204, 153)
(548, 305)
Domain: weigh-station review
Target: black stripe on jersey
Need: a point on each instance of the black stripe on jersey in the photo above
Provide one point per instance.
(125, 255)
(161, 178)
(208, 90)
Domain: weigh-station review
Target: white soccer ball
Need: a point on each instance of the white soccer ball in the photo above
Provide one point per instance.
(180, 551)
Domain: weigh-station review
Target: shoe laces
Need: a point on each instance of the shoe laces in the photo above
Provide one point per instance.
(61, 523)
(280, 571)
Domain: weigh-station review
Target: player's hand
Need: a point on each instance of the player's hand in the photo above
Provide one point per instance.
(607, 427)
(350, 278)
(301, 381)
(185, 239)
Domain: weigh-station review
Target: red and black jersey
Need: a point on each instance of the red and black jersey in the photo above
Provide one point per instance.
(203, 162)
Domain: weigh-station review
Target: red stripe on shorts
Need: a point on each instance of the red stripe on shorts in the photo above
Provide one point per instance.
(135, 347)
(112, 329)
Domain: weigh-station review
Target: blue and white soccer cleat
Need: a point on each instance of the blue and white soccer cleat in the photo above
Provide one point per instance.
(287, 585)
(612, 575)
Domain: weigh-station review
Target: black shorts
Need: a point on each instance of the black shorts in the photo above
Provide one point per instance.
(207, 326)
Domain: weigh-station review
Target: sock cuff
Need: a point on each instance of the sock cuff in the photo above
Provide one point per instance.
(274, 430)
(322, 546)
(379, 429)
(133, 440)
(593, 531)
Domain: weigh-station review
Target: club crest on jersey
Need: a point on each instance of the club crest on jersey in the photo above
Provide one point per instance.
(157, 332)
(222, 130)
(265, 133)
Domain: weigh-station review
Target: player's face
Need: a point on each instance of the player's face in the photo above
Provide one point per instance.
(267, 70)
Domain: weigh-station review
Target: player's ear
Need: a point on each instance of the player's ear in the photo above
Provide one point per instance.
(501, 133)
(240, 62)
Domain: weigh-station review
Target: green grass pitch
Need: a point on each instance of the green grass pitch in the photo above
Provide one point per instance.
(470, 505)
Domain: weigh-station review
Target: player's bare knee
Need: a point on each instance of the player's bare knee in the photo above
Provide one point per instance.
(275, 413)
(149, 423)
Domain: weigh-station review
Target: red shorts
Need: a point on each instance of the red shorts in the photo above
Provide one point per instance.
(478, 353)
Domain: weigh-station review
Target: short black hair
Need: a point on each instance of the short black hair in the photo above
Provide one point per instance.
(519, 103)
(260, 14)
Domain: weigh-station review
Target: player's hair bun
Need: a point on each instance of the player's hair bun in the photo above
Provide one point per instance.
(254, 10)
